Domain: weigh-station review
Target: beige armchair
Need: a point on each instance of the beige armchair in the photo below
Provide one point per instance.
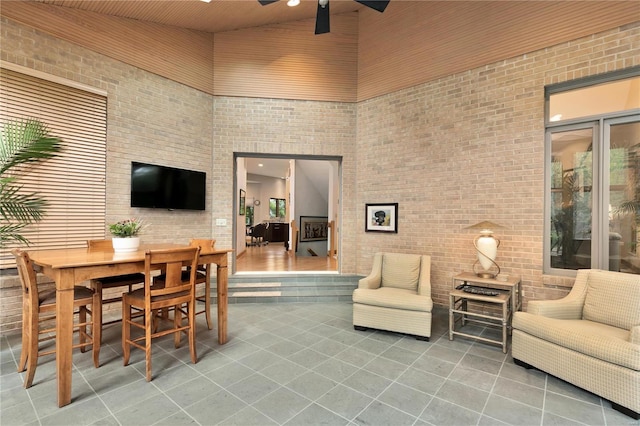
(396, 296)
(590, 338)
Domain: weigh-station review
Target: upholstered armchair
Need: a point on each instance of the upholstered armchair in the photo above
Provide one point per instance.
(396, 296)
(590, 338)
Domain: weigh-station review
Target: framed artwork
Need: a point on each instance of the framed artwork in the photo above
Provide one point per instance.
(381, 217)
(313, 228)
(243, 199)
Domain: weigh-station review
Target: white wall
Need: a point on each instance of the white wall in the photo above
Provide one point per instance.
(262, 188)
(310, 201)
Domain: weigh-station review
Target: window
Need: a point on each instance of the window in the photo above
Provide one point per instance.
(592, 214)
(73, 183)
(277, 208)
(248, 221)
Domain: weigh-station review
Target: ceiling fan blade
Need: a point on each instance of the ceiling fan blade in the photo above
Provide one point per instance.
(322, 19)
(266, 2)
(379, 5)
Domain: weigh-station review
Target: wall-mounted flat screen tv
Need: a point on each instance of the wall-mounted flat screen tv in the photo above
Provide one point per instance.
(162, 187)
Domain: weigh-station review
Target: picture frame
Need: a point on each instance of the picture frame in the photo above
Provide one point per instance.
(314, 228)
(381, 217)
(243, 199)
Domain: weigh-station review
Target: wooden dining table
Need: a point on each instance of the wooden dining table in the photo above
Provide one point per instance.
(70, 267)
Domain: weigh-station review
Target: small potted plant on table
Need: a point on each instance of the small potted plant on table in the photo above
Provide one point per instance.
(125, 235)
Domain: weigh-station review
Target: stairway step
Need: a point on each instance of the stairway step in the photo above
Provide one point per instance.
(289, 288)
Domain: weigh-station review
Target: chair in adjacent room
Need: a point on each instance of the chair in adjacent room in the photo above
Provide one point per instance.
(258, 234)
(102, 284)
(40, 308)
(175, 294)
(396, 295)
(203, 276)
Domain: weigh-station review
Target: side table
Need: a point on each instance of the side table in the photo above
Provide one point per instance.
(509, 300)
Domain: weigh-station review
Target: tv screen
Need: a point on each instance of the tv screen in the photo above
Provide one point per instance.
(162, 187)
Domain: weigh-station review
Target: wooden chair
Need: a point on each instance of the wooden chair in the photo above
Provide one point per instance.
(100, 284)
(40, 307)
(175, 293)
(203, 276)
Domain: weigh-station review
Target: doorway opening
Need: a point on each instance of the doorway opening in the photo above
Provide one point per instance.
(287, 217)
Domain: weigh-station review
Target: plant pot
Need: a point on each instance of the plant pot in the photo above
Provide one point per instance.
(125, 245)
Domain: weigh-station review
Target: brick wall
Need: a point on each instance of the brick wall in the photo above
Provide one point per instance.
(292, 127)
(452, 152)
(149, 119)
(469, 148)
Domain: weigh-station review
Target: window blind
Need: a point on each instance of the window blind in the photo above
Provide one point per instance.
(73, 182)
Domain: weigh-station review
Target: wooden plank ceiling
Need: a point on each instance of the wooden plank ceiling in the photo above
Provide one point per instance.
(216, 16)
(240, 48)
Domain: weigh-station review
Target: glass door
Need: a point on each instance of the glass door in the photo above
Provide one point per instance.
(622, 136)
(570, 186)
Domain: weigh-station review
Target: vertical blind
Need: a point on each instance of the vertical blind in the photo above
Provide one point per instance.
(73, 182)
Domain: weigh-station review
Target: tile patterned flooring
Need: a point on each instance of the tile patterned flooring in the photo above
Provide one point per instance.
(300, 364)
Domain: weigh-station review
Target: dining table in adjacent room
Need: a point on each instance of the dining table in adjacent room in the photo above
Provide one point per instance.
(70, 267)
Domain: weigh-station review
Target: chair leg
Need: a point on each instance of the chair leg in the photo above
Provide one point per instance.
(32, 357)
(126, 330)
(26, 331)
(156, 315)
(82, 328)
(148, 324)
(207, 301)
(192, 330)
(177, 323)
(96, 333)
(97, 287)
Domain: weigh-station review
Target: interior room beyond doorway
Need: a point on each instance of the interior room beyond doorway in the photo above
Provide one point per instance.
(286, 194)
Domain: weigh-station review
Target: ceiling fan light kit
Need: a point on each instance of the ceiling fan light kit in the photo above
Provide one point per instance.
(322, 15)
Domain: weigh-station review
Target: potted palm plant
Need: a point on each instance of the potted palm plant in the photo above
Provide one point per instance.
(23, 142)
(125, 235)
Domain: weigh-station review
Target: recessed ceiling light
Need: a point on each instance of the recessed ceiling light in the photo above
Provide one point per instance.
(260, 165)
(292, 3)
(206, 1)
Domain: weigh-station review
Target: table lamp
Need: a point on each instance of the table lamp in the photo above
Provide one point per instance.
(487, 247)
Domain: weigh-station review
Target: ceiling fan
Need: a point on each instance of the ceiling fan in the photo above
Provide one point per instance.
(322, 16)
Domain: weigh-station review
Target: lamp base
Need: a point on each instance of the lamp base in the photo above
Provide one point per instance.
(485, 275)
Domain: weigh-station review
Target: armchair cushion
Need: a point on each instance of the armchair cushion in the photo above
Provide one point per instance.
(613, 299)
(396, 298)
(607, 343)
(401, 271)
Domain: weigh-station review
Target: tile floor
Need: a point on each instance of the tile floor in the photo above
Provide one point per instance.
(301, 364)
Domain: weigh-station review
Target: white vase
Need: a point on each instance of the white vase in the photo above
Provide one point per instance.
(125, 245)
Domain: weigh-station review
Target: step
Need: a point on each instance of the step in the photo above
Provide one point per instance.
(269, 288)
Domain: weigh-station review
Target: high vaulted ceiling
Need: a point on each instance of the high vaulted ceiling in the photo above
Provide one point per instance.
(216, 16)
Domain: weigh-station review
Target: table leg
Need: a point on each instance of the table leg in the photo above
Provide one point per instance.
(222, 284)
(505, 326)
(452, 303)
(64, 335)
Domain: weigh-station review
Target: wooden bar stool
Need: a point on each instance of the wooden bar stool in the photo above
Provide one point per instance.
(175, 294)
(40, 307)
(100, 284)
(203, 276)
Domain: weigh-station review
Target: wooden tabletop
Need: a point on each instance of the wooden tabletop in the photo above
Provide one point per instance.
(70, 258)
